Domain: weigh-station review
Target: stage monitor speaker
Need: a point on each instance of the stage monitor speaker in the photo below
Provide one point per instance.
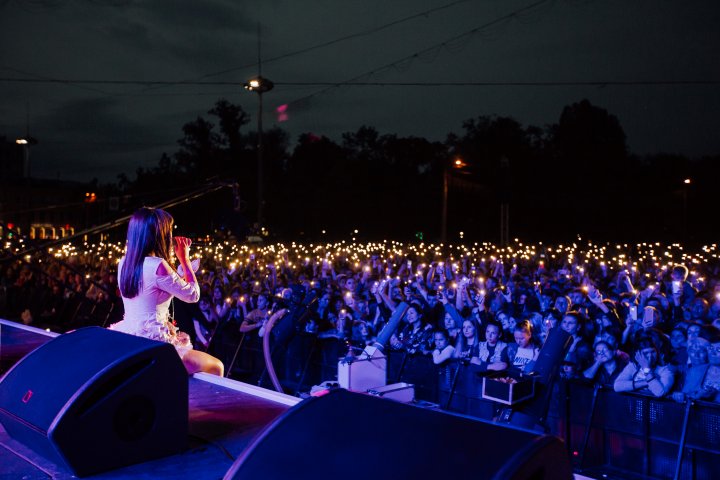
(94, 400)
(351, 435)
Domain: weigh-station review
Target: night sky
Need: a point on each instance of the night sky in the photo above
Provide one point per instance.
(88, 130)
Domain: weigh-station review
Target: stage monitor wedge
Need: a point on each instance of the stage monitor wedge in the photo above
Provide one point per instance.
(352, 435)
(94, 400)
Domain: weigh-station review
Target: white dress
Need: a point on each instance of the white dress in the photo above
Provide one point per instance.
(147, 314)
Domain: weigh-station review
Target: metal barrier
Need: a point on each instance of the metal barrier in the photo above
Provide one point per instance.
(654, 437)
(629, 433)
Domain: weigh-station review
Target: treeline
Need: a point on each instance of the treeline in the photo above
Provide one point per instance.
(572, 177)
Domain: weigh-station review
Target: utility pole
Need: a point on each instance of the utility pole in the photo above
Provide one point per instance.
(259, 85)
(504, 201)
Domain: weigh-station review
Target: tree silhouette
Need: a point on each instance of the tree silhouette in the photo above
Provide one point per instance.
(573, 176)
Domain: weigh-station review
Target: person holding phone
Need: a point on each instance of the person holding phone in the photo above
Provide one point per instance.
(148, 282)
(632, 326)
(680, 293)
(416, 336)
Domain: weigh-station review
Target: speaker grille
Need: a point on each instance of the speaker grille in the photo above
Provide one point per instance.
(134, 418)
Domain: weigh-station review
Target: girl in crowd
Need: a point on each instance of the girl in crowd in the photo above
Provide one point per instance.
(258, 316)
(491, 352)
(452, 329)
(362, 334)
(443, 350)
(523, 354)
(149, 282)
(220, 304)
(467, 346)
(580, 352)
(508, 323)
(415, 337)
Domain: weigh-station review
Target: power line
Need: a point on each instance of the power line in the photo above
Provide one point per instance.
(111, 82)
(409, 58)
(509, 84)
(340, 39)
(559, 83)
(43, 79)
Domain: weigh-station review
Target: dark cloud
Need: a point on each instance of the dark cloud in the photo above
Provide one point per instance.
(100, 118)
(189, 39)
(199, 33)
(97, 138)
(188, 16)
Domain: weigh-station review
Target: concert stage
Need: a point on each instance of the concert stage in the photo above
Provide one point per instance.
(229, 420)
(225, 416)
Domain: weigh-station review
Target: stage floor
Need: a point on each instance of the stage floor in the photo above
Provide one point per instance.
(225, 416)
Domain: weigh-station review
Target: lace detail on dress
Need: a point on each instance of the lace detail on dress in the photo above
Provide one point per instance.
(156, 328)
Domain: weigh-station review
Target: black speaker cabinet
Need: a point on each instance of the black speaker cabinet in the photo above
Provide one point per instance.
(94, 400)
(351, 435)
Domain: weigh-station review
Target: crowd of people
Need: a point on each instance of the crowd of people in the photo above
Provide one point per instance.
(643, 318)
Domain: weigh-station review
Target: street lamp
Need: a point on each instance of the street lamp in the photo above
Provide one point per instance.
(458, 163)
(25, 143)
(259, 85)
(686, 184)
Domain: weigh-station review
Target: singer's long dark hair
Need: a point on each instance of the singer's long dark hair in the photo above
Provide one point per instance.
(149, 232)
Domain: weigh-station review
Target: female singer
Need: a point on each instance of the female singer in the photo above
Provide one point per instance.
(148, 283)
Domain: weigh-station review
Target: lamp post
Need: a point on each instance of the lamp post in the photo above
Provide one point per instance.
(504, 184)
(25, 143)
(459, 164)
(260, 85)
(686, 185)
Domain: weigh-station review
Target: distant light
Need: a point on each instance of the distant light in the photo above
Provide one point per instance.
(458, 163)
(21, 141)
(282, 115)
(687, 181)
(259, 85)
